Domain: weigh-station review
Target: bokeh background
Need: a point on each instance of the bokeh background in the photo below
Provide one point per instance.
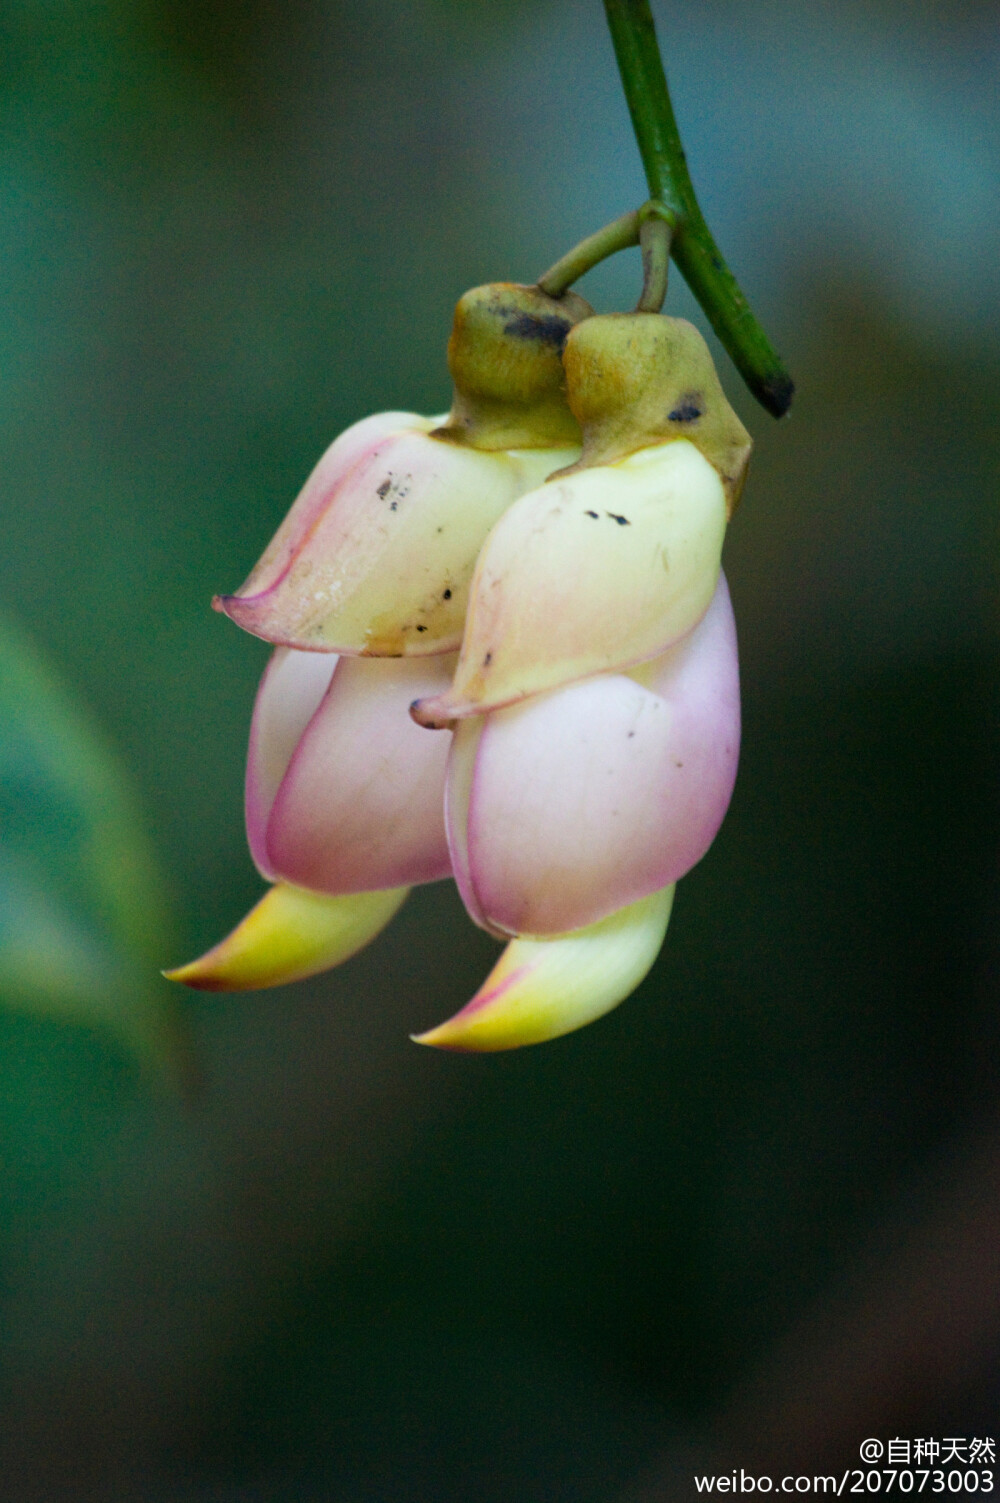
(752, 1217)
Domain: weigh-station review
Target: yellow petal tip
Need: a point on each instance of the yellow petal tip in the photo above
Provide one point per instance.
(444, 1037)
(540, 989)
(199, 974)
(290, 934)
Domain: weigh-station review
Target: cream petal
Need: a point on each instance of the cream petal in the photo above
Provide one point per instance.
(379, 562)
(289, 935)
(583, 800)
(542, 988)
(361, 805)
(589, 574)
(290, 693)
(336, 464)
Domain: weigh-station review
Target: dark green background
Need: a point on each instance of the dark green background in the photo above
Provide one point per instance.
(754, 1215)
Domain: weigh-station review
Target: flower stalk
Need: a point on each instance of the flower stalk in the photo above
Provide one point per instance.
(692, 245)
(656, 230)
(617, 236)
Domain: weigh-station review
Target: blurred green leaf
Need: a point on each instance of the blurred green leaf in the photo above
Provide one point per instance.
(83, 925)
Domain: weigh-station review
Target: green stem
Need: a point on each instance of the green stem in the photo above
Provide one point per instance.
(692, 247)
(616, 236)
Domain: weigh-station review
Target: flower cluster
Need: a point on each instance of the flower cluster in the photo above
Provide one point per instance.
(505, 653)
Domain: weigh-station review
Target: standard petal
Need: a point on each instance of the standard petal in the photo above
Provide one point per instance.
(290, 693)
(588, 574)
(362, 803)
(580, 801)
(290, 934)
(347, 449)
(542, 988)
(379, 561)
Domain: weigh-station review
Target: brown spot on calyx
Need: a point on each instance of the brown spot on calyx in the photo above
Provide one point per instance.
(689, 408)
(504, 355)
(546, 328)
(638, 380)
(386, 486)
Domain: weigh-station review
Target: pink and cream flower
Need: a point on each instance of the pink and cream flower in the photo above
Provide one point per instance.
(513, 666)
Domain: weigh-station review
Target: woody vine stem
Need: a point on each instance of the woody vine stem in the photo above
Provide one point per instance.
(671, 224)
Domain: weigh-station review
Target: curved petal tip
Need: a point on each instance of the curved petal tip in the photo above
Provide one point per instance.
(243, 610)
(542, 988)
(290, 934)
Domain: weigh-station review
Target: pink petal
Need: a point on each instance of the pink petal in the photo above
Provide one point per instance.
(461, 773)
(347, 449)
(361, 805)
(583, 800)
(290, 693)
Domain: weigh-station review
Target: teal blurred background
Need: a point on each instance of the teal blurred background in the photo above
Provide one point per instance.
(754, 1215)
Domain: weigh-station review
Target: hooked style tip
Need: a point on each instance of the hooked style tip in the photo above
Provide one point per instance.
(434, 714)
(291, 933)
(542, 988)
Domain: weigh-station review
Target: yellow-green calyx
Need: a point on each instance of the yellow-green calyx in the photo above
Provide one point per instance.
(638, 379)
(504, 355)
